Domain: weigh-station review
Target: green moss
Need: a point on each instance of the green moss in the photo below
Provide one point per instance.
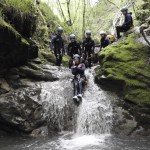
(65, 61)
(139, 97)
(46, 57)
(126, 61)
(11, 29)
(25, 6)
(143, 12)
(24, 41)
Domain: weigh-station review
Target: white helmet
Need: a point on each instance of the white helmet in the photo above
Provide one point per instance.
(124, 9)
(88, 32)
(72, 36)
(60, 29)
(76, 56)
(102, 32)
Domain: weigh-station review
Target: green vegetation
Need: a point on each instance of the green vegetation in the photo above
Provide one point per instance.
(30, 25)
(11, 30)
(22, 6)
(105, 12)
(143, 12)
(127, 62)
(49, 58)
(97, 17)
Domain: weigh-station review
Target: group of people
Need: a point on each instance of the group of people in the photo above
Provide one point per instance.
(83, 56)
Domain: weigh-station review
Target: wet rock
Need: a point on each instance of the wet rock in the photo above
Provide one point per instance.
(124, 123)
(20, 112)
(33, 66)
(41, 132)
(38, 75)
(36, 61)
(13, 71)
(120, 72)
(48, 56)
(12, 77)
(4, 86)
(13, 47)
(27, 83)
(33, 50)
(109, 83)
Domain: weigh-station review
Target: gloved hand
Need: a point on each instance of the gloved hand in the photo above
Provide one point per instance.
(74, 63)
(80, 66)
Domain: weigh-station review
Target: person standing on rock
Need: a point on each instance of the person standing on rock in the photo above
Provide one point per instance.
(88, 47)
(128, 23)
(104, 41)
(73, 48)
(57, 45)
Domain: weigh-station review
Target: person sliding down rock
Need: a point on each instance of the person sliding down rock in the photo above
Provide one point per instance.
(104, 41)
(57, 45)
(88, 47)
(128, 23)
(73, 48)
(79, 80)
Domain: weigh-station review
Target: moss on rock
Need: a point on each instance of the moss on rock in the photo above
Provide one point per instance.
(48, 57)
(127, 62)
(13, 47)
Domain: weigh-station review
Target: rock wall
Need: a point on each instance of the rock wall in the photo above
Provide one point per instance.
(125, 70)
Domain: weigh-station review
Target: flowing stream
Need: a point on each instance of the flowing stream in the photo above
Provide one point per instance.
(81, 127)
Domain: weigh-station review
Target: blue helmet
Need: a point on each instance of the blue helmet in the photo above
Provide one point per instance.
(124, 9)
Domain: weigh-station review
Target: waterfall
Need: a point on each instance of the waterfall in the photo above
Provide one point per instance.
(92, 116)
(84, 126)
(57, 100)
(95, 111)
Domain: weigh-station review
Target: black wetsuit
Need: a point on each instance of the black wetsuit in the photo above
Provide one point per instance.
(128, 23)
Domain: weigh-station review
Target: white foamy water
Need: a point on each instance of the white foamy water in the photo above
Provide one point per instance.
(95, 112)
(82, 142)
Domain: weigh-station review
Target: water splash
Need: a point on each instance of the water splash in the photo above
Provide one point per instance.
(95, 112)
(82, 142)
(56, 97)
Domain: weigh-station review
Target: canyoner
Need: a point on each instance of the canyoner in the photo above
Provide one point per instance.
(79, 80)
(73, 48)
(57, 45)
(128, 22)
(88, 47)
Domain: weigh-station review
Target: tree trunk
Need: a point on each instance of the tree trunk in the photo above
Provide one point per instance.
(84, 11)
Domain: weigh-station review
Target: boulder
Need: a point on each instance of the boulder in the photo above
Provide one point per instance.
(20, 112)
(4, 86)
(38, 75)
(13, 48)
(124, 123)
(125, 69)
